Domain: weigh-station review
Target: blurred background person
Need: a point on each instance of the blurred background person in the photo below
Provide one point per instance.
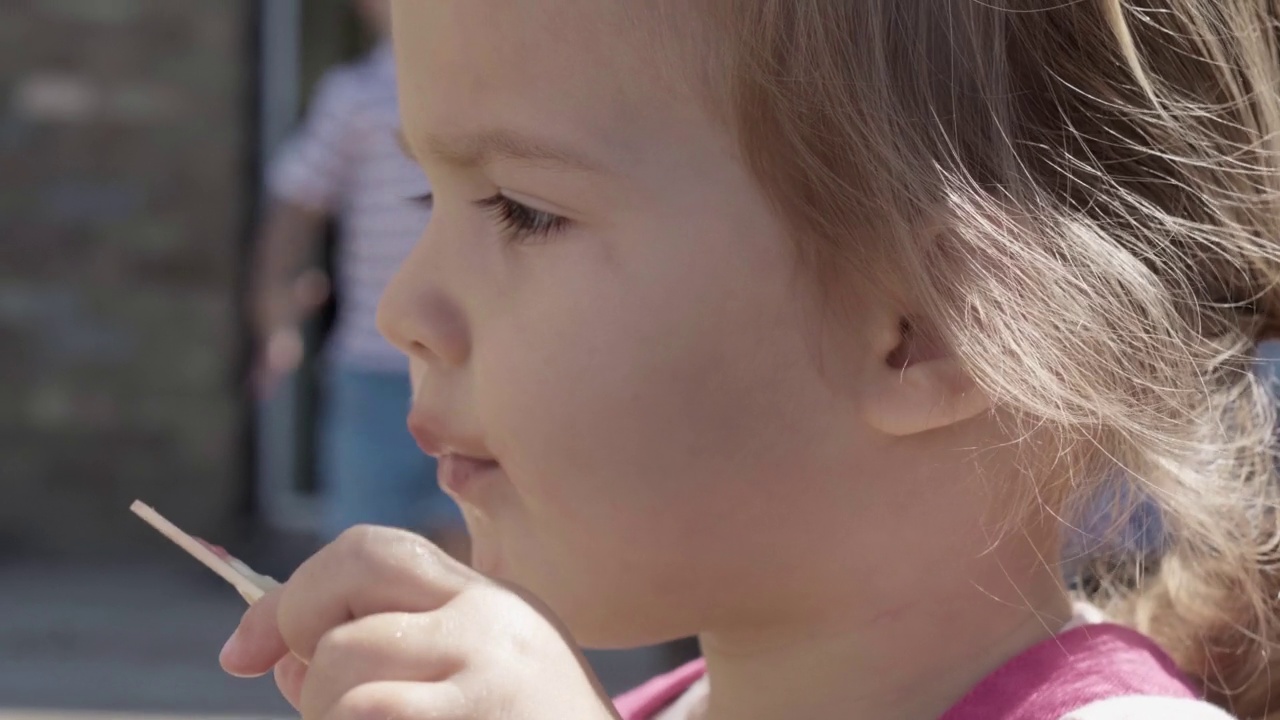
(344, 163)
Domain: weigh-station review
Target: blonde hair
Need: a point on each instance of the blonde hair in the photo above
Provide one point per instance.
(1085, 197)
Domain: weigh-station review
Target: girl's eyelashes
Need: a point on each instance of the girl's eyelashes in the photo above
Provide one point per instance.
(519, 222)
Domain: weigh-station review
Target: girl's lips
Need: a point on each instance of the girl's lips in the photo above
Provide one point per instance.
(455, 471)
(458, 472)
(427, 441)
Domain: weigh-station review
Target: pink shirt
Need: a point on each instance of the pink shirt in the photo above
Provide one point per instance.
(1100, 671)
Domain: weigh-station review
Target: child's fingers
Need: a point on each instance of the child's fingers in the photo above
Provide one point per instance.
(366, 571)
(291, 675)
(402, 700)
(257, 645)
(419, 647)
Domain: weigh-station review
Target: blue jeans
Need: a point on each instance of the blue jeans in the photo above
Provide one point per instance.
(371, 470)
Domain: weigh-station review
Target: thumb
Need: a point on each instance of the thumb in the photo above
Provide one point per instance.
(256, 645)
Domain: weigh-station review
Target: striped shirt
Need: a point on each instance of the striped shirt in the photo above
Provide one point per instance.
(344, 160)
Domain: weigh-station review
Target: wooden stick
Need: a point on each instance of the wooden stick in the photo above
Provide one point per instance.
(249, 584)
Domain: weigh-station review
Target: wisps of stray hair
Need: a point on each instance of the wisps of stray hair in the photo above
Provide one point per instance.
(1107, 177)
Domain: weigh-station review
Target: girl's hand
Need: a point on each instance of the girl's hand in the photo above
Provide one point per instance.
(382, 624)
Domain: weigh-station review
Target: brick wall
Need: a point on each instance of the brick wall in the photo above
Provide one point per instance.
(124, 136)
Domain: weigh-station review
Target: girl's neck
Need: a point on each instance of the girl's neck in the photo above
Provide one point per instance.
(906, 660)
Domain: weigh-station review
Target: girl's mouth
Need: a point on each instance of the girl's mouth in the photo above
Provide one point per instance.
(456, 473)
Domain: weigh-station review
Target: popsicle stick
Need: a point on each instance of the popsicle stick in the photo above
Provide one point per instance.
(262, 581)
(250, 585)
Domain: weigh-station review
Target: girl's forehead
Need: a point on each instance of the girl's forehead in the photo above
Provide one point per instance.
(556, 28)
(581, 69)
(625, 45)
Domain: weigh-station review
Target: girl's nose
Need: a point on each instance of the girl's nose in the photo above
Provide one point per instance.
(417, 315)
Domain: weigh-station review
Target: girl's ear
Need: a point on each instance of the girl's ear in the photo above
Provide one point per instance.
(916, 383)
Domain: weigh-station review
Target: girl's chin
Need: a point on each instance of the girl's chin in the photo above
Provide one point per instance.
(487, 563)
(486, 549)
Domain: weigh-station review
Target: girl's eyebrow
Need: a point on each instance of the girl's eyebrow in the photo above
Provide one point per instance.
(481, 147)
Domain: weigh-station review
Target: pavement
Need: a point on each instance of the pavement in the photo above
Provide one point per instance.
(127, 641)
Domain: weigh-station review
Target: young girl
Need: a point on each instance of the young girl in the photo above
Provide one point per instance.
(809, 327)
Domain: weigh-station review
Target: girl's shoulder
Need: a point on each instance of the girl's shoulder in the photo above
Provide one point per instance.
(655, 696)
(1095, 671)
(1091, 672)
(1149, 708)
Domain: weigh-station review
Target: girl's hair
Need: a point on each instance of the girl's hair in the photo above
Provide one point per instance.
(1084, 198)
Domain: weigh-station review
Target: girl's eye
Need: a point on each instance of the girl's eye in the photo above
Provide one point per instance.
(426, 200)
(521, 223)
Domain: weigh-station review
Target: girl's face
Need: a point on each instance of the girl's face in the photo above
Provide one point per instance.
(605, 305)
